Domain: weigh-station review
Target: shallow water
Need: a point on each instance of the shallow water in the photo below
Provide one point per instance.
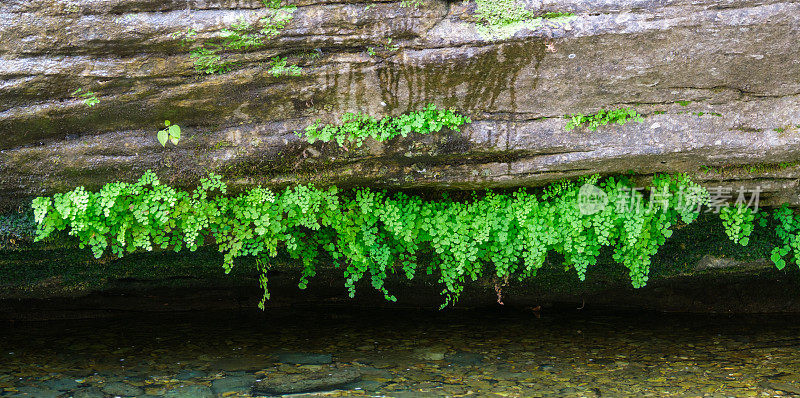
(405, 353)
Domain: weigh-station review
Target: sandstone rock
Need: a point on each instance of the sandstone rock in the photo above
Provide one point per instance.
(738, 60)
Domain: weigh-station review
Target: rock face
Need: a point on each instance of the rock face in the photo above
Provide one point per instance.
(735, 58)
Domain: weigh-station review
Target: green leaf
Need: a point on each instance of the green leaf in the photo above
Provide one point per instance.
(162, 137)
(174, 134)
(166, 123)
(745, 241)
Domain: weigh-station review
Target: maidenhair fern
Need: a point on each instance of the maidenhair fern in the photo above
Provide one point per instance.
(738, 223)
(788, 231)
(373, 233)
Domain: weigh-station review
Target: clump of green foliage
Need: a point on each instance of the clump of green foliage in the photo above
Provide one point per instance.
(356, 127)
(500, 19)
(312, 55)
(385, 46)
(366, 232)
(557, 14)
(279, 67)
(171, 133)
(89, 97)
(707, 113)
(411, 3)
(241, 36)
(388, 46)
(619, 116)
(788, 231)
(206, 60)
(187, 37)
(738, 223)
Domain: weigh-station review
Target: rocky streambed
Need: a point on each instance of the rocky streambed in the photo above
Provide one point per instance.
(336, 351)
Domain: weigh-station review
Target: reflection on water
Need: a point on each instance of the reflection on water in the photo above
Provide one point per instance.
(403, 353)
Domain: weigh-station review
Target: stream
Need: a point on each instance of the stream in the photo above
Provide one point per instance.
(347, 351)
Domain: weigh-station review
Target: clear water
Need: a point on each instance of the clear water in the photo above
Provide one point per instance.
(405, 353)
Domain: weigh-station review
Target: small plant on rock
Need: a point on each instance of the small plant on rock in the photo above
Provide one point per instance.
(206, 60)
(210, 56)
(171, 133)
(356, 127)
(279, 67)
(602, 118)
(738, 223)
(89, 97)
(500, 19)
(411, 3)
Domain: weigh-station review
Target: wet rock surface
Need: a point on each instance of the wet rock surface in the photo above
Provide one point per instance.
(737, 61)
(304, 358)
(190, 392)
(122, 389)
(464, 358)
(233, 383)
(89, 392)
(323, 379)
